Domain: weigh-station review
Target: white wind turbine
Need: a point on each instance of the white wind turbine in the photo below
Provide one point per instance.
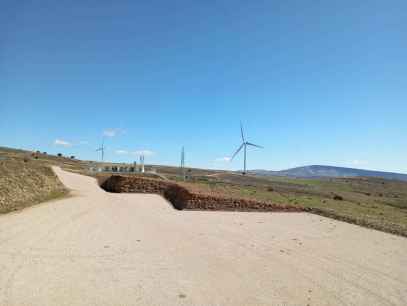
(244, 146)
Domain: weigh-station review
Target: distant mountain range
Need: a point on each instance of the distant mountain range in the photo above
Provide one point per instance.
(316, 171)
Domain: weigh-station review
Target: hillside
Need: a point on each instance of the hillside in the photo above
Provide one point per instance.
(318, 171)
(25, 183)
(26, 178)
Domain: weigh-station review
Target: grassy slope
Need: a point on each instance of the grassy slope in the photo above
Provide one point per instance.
(26, 183)
(375, 203)
(26, 180)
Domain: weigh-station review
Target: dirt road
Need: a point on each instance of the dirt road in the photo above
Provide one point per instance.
(96, 248)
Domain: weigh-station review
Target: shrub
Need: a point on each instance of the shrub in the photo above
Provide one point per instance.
(338, 197)
(59, 154)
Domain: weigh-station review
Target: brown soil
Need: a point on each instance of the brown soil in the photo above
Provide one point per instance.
(186, 197)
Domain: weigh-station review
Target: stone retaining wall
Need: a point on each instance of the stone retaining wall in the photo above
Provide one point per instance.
(207, 202)
(182, 198)
(134, 184)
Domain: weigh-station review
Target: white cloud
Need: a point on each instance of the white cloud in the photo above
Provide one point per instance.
(358, 162)
(295, 165)
(121, 152)
(143, 152)
(223, 159)
(112, 132)
(136, 153)
(60, 142)
(109, 133)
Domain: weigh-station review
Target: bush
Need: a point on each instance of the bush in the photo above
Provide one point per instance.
(270, 189)
(59, 154)
(338, 197)
(72, 157)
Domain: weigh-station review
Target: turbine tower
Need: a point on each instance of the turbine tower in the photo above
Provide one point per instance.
(142, 163)
(102, 149)
(244, 146)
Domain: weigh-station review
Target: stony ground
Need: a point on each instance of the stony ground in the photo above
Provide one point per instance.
(96, 248)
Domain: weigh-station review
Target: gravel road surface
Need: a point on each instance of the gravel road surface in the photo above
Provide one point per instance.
(97, 248)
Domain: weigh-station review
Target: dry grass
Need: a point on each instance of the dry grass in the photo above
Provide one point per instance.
(25, 183)
(372, 202)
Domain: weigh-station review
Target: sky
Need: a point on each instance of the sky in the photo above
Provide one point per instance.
(314, 82)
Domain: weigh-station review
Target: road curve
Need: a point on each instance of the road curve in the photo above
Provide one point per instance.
(96, 248)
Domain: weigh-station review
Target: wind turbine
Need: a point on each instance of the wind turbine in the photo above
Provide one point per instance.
(102, 149)
(244, 146)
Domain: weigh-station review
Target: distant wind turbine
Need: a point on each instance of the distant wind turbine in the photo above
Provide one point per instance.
(142, 163)
(244, 146)
(102, 149)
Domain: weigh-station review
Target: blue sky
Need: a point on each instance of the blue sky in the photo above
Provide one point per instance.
(314, 82)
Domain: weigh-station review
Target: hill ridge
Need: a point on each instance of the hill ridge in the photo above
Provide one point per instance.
(330, 171)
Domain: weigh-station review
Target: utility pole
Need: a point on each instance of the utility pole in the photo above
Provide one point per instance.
(183, 164)
(102, 149)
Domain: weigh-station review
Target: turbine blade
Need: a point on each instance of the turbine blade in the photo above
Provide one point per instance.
(254, 145)
(241, 131)
(237, 151)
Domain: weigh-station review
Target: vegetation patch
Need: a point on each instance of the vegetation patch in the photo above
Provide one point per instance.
(25, 183)
(370, 202)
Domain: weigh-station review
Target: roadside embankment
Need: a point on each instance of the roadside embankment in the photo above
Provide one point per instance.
(181, 197)
(25, 183)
